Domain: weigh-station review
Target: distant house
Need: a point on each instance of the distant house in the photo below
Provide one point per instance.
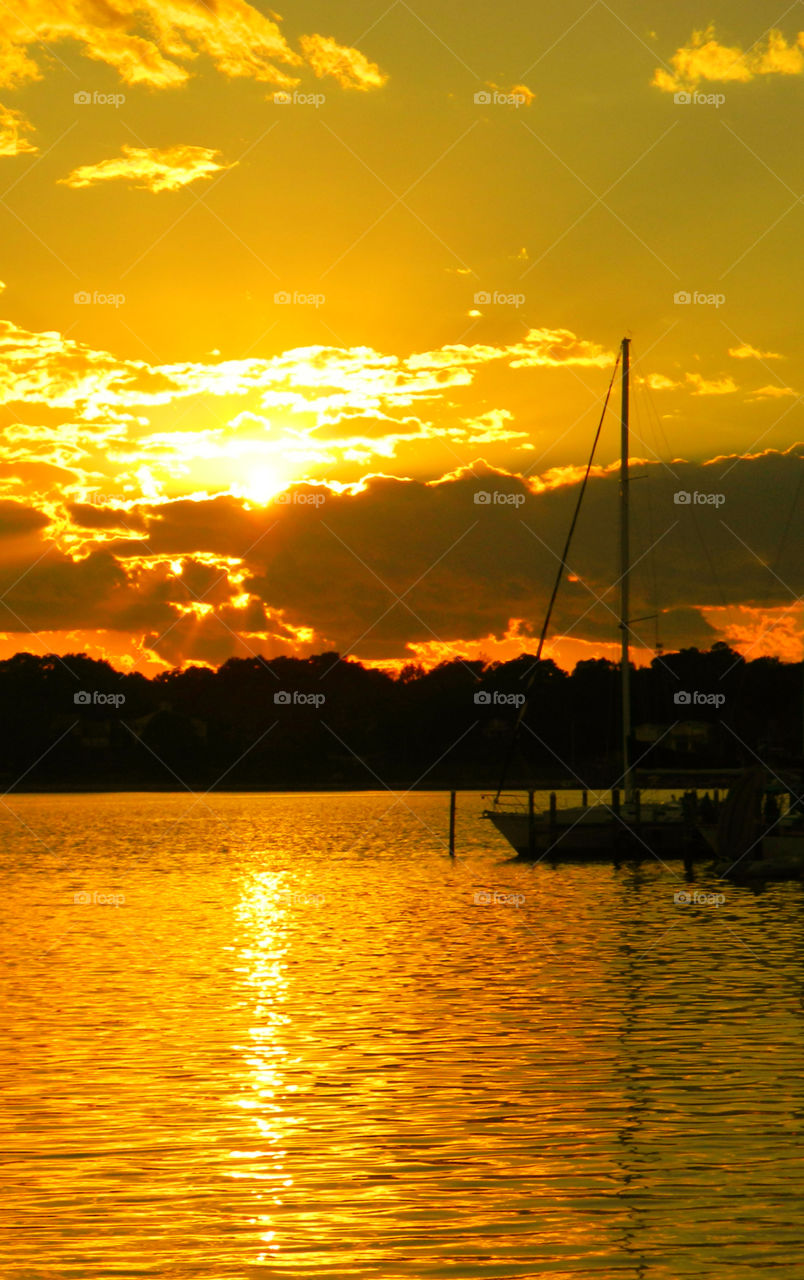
(96, 735)
(688, 737)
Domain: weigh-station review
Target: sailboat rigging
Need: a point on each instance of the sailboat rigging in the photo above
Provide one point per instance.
(599, 830)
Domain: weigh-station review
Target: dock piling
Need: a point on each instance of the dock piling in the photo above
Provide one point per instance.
(531, 827)
(452, 824)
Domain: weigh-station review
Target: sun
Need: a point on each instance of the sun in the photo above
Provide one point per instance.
(260, 485)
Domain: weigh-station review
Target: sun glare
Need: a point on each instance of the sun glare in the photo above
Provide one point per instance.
(260, 485)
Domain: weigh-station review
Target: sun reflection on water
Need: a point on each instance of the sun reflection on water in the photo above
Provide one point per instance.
(262, 912)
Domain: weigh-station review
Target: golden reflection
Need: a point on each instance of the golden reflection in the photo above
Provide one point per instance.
(262, 913)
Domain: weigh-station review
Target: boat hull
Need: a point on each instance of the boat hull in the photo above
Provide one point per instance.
(594, 834)
(777, 855)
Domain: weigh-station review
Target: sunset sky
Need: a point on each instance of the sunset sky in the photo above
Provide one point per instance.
(282, 294)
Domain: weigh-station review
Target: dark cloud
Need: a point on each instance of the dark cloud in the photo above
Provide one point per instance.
(401, 562)
(90, 516)
(16, 519)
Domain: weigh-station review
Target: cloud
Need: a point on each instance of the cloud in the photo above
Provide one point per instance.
(769, 632)
(747, 352)
(772, 393)
(704, 58)
(711, 387)
(150, 168)
(658, 382)
(349, 67)
(82, 421)
(206, 579)
(521, 92)
(13, 125)
(556, 347)
(16, 519)
(149, 42)
(15, 65)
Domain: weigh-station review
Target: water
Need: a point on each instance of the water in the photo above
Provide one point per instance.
(278, 1035)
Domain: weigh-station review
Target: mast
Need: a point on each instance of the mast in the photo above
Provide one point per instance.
(625, 569)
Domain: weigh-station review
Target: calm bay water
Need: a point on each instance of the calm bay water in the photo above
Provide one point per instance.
(253, 1035)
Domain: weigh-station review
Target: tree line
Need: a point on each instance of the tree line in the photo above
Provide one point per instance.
(330, 722)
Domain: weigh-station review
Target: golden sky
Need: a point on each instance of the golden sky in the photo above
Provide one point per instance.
(281, 295)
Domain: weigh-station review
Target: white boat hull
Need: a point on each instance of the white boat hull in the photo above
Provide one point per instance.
(595, 833)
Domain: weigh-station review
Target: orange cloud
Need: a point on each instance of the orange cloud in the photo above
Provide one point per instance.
(520, 94)
(772, 393)
(82, 422)
(711, 387)
(150, 42)
(760, 632)
(556, 347)
(658, 382)
(349, 67)
(704, 58)
(151, 168)
(12, 127)
(15, 65)
(747, 352)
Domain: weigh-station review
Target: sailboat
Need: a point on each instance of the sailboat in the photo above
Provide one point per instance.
(748, 842)
(626, 826)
